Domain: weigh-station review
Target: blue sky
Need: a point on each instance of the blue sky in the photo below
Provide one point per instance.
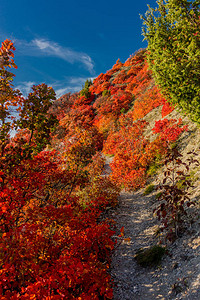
(62, 43)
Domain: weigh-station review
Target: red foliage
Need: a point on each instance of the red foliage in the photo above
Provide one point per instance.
(169, 130)
(132, 79)
(112, 105)
(140, 82)
(136, 58)
(50, 245)
(62, 106)
(53, 244)
(82, 100)
(167, 108)
(81, 117)
(130, 160)
(147, 101)
(117, 66)
(100, 84)
(133, 153)
(120, 78)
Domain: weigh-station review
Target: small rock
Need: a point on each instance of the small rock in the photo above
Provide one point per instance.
(136, 289)
(175, 265)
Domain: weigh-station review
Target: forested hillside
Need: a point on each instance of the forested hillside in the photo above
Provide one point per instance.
(53, 187)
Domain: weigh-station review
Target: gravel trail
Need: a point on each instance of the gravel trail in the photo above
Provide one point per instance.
(178, 276)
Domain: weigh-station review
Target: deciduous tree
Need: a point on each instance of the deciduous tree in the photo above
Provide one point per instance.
(9, 98)
(34, 116)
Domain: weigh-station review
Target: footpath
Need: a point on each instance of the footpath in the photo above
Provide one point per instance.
(178, 275)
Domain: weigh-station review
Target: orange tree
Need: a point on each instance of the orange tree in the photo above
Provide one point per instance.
(129, 164)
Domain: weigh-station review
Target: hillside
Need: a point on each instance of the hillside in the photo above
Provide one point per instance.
(139, 127)
(120, 106)
(177, 275)
(57, 239)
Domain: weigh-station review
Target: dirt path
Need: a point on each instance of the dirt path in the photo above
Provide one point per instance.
(178, 276)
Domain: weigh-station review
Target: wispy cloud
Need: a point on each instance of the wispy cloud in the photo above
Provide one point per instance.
(66, 85)
(44, 47)
(69, 84)
(25, 87)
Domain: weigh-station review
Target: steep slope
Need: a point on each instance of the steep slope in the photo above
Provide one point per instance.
(177, 276)
(129, 120)
(55, 241)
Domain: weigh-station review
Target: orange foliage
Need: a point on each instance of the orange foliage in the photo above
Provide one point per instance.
(133, 153)
(53, 244)
(100, 84)
(82, 100)
(117, 66)
(136, 58)
(140, 82)
(147, 101)
(128, 145)
(169, 130)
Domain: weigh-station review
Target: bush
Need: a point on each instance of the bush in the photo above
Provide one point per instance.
(151, 256)
(175, 194)
(149, 189)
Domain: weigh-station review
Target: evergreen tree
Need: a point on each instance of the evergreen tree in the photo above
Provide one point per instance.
(172, 33)
(85, 90)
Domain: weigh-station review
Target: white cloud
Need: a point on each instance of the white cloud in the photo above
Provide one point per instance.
(39, 46)
(69, 84)
(63, 91)
(66, 85)
(25, 87)
(42, 44)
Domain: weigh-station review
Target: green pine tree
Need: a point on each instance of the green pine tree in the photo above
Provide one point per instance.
(173, 52)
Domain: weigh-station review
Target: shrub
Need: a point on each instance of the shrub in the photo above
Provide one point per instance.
(175, 197)
(151, 256)
(149, 189)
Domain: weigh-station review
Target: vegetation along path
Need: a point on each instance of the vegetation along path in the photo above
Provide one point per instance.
(178, 274)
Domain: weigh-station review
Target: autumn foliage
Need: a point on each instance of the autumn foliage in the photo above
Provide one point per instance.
(51, 246)
(54, 243)
(130, 94)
